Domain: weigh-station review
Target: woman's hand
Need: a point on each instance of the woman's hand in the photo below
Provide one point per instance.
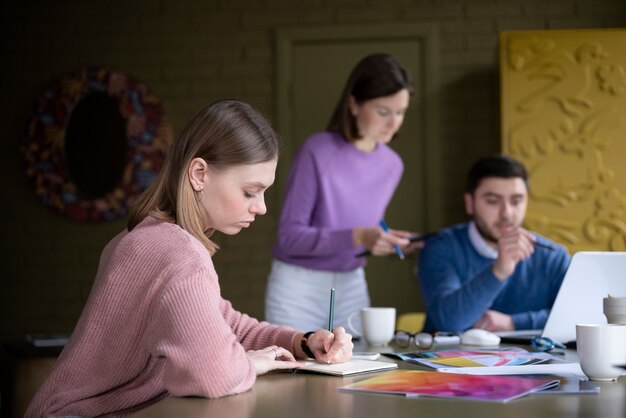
(412, 246)
(377, 241)
(331, 347)
(272, 358)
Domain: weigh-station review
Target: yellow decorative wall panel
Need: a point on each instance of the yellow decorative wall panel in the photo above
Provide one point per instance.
(563, 110)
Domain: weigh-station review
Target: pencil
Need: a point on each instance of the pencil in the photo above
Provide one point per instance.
(385, 228)
(331, 312)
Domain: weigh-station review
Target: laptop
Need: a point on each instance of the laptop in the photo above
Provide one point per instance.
(590, 277)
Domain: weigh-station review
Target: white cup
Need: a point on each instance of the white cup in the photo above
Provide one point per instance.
(614, 309)
(378, 325)
(600, 347)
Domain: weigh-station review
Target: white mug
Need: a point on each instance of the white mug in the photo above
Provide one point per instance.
(600, 348)
(378, 325)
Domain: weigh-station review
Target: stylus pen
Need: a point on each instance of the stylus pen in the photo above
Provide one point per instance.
(385, 228)
(331, 313)
(547, 247)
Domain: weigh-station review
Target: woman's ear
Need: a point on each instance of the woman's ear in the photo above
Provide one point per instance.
(196, 173)
(353, 106)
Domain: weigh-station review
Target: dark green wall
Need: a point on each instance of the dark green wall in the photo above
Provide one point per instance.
(192, 52)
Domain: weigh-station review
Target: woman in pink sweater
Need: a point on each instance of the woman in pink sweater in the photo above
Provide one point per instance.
(155, 324)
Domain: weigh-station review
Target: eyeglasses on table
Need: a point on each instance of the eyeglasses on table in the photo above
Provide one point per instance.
(425, 340)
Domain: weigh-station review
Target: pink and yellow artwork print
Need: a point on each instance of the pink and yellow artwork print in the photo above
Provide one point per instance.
(447, 385)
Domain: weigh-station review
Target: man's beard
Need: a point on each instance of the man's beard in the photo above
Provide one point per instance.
(484, 232)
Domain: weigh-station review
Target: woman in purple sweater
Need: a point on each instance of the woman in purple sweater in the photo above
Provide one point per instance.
(340, 184)
(155, 324)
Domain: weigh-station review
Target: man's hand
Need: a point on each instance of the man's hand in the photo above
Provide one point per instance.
(495, 321)
(513, 246)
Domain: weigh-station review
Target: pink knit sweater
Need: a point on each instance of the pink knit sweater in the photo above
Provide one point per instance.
(154, 325)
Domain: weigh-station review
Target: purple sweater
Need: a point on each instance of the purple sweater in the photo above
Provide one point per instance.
(155, 325)
(333, 187)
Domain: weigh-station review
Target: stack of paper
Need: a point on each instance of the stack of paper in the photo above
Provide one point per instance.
(511, 360)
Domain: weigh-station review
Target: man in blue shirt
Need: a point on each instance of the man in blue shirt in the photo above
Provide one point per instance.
(491, 273)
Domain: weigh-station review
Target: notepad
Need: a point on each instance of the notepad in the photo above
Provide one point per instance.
(348, 368)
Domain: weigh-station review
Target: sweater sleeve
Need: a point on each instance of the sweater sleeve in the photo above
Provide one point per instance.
(530, 319)
(202, 354)
(296, 234)
(453, 304)
(255, 335)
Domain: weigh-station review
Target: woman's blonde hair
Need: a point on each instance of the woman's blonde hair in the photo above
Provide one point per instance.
(225, 133)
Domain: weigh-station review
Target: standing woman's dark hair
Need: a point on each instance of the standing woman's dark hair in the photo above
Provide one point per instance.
(225, 133)
(377, 75)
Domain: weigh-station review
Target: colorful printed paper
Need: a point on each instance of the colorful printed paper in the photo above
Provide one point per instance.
(478, 358)
(445, 385)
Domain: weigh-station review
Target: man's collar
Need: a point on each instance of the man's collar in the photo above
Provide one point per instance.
(479, 243)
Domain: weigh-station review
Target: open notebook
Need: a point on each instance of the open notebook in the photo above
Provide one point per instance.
(348, 368)
(590, 277)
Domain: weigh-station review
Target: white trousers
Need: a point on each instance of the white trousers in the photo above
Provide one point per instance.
(300, 297)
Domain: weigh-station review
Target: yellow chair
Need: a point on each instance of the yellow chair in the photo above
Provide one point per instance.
(411, 321)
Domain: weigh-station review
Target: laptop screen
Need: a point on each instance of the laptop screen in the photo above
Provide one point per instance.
(590, 277)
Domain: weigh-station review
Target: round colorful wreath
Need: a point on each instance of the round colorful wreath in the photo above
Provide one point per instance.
(147, 132)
